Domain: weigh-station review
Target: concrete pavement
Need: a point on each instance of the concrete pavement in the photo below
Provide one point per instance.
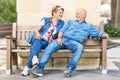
(58, 75)
(113, 62)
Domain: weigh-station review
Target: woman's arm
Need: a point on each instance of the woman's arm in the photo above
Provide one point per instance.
(36, 31)
(38, 28)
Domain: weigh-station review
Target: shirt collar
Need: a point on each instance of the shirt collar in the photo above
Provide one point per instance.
(80, 22)
(57, 22)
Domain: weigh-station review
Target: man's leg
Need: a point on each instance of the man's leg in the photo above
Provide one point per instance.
(77, 48)
(50, 49)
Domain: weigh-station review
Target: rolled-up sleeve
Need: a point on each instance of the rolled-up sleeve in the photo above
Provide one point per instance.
(95, 32)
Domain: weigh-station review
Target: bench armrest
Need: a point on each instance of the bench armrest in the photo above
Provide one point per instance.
(10, 37)
(10, 42)
(103, 37)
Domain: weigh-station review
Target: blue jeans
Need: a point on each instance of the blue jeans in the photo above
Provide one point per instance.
(36, 47)
(72, 45)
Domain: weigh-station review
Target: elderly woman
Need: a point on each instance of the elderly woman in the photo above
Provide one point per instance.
(44, 33)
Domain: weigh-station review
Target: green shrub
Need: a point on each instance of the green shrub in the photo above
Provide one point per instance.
(113, 32)
(8, 11)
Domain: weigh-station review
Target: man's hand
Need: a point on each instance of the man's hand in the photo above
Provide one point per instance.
(38, 36)
(59, 40)
(105, 35)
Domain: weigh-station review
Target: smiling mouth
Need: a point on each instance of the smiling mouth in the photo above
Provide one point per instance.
(77, 16)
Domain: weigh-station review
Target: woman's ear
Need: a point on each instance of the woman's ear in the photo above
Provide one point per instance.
(54, 13)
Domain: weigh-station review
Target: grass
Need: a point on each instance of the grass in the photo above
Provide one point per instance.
(109, 43)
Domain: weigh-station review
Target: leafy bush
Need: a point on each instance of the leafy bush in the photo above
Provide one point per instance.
(113, 32)
(8, 11)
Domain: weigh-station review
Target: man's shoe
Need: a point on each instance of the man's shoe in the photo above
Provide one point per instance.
(68, 72)
(34, 60)
(25, 71)
(38, 72)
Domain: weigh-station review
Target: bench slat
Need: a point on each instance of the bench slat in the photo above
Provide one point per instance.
(85, 50)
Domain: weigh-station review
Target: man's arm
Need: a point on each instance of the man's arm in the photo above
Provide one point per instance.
(96, 33)
(59, 39)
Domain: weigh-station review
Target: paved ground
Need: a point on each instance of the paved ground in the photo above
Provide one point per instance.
(58, 75)
(113, 62)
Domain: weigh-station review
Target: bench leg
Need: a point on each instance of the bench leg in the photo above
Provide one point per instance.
(8, 71)
(8, 63)
(104, 56)
(104, 65)
(14, 67)
(14, 60)
(104, 71)
(8, 58)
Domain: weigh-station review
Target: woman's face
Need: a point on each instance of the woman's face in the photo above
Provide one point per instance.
(58, 14)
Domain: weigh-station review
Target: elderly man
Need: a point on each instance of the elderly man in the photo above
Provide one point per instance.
(73, 33)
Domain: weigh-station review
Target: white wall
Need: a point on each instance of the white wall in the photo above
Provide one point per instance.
(29, 12)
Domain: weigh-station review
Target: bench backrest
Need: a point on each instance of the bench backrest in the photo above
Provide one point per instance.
(21, 32)
(5, 30)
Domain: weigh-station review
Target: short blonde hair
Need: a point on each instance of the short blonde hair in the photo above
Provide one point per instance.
(57, 8)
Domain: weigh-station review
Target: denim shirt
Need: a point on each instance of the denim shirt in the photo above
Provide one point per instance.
(45, 28)
(79, 31)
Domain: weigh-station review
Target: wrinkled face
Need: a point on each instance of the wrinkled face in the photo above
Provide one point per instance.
(80, 13)
(58, 14)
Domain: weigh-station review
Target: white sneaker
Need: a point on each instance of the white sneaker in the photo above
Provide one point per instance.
(34, 60)
(25, 71)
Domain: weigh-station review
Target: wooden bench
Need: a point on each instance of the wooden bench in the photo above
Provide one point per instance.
(5, 30)
(17, 43)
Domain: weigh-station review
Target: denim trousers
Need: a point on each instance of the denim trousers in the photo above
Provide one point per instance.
(72, 45)
(36, 47)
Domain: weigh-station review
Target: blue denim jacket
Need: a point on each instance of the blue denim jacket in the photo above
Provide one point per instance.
(79, 31)
(45, 28)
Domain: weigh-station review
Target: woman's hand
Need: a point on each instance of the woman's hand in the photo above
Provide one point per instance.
(38, 36)
(36, 31)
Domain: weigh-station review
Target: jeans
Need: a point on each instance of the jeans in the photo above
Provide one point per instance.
(37, 46)
(72, 45)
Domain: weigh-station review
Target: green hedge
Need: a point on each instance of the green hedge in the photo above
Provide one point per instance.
(7, 11)
(113, 32)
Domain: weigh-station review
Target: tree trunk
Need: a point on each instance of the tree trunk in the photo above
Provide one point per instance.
(115, 14)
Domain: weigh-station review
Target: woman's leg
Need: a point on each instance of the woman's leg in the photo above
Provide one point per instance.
(36, 47)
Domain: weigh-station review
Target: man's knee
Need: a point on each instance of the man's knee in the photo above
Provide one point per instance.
(79, 46)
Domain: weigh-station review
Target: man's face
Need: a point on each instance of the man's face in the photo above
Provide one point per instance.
(77, 14)
(80, 13)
